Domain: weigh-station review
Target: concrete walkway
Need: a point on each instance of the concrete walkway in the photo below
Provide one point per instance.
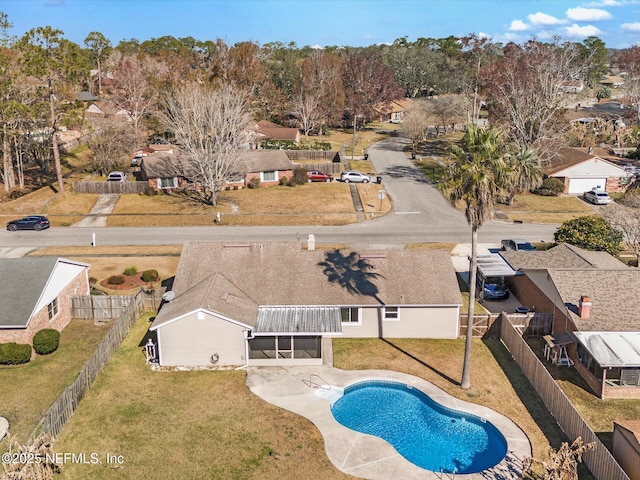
(98, 215)
(367, 456)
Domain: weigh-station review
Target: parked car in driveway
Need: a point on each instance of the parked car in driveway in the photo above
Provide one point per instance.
(32, 222)
(353, 176)
(517, 245)
(597, 197)
(116, 177)
(317, 176)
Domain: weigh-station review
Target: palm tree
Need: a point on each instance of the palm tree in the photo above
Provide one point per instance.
(526, 172)
(476, 177)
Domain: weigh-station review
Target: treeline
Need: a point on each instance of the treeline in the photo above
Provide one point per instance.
(312, 89)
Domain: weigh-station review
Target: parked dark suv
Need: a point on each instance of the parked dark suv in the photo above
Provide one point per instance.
(32, 222)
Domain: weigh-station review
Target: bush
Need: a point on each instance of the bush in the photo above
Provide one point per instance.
(46, 341)
(551, 187)
(284, 180)
(150, 276)
(14, 353)
(115, 280)
(129, 272)
(299, 177)
(254, 182)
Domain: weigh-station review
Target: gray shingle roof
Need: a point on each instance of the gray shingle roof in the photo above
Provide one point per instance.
(563, 256)
(22, 281)
(283, 274)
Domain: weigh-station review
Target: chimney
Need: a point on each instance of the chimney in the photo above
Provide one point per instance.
(584, 308)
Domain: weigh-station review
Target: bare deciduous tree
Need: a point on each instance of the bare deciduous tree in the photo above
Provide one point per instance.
(524, 88)
(627, 220)
(211, 127)
(562, 464)
(109, 146)
(415, 124)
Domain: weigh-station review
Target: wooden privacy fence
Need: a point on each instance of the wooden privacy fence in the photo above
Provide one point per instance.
(487, 325)
(62, 409)
(327, 167)
(313, 155)
(104, 188)
(106, 307)
(599, 460)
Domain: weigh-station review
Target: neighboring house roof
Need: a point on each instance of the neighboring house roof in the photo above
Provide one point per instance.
(30, 283)
(85, 96)
(612, 349)
(163, 165)
(565, 273)
(569, 159)
(562, 256)
(277, 132)
(400, 105)
(633, 426)
(264, 161)
(95, 110)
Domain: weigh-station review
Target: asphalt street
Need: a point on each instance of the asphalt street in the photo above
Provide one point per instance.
(420, 215)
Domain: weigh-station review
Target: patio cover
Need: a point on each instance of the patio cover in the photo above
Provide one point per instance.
(299, 320)
(612, 349)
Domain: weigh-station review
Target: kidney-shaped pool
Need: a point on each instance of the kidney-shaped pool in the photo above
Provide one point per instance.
(424, 432)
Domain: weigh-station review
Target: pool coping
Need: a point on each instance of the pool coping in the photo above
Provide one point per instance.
(302, 390)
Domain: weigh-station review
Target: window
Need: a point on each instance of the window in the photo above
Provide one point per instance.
(391, 313)
(52, 308)
(350, 315)
(268, 176)
(170, 182)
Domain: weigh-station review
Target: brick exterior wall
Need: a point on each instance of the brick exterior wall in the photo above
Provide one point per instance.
(154, 183)
(279, 175)
(78, 286)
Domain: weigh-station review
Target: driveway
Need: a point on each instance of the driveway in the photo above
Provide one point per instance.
(98, 215)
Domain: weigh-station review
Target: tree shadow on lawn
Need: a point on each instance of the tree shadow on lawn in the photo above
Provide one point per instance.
(421, 362)
(531, 400)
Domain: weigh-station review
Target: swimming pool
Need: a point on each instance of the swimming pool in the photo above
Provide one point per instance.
(424, 432)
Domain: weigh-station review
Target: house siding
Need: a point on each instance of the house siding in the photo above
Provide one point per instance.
(191, 342)
(414, 322)
(78, 286)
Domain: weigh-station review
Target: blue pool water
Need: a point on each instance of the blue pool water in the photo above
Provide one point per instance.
(426, 433)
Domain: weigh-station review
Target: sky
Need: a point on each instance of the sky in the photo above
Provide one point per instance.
(320, 23)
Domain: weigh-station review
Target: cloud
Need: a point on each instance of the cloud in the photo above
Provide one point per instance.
(518, 26)
(540, 18)
(583, 32)
(587, 14)
(631, 27)
(605, 3)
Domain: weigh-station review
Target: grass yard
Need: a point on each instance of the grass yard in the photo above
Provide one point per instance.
(30, 389)
(309, 204)
(532, 208)
(195, 424)
(62, 209)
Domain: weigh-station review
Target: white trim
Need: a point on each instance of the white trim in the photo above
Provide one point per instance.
(175, 183)
(384, 315)
(275, 174)
(191, 312)
(354, 324)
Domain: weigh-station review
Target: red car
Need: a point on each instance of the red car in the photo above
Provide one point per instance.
(316, 176)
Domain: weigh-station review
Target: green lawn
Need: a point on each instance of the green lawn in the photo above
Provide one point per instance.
(29, 390)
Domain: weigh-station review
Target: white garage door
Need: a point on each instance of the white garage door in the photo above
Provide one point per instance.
(579, 185)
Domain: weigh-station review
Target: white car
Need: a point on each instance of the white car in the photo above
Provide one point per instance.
(353, 176)
(116, 177)
(597, 197)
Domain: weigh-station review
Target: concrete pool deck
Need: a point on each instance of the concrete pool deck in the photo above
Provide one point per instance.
(304, 390)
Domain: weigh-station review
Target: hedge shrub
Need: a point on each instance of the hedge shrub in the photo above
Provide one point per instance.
(254, 182)
(14, 353)
(150, 276)
(46, 341)
(551, 187)
(116, 280)
(130, 271)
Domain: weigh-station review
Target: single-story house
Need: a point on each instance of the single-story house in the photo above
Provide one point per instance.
(272, 131)
(614, 81)
(582, 170)
(276, 303)
(572, 86)
(35, 295)
(394, 110)
(626, 446)
(592, 296)
(269, 166)
(163, 171)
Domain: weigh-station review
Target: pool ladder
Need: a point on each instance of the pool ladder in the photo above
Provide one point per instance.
(316, 381)
(447, 475)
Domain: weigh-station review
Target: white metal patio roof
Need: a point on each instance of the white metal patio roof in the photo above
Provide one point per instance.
(612, 349)
(300, 320)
